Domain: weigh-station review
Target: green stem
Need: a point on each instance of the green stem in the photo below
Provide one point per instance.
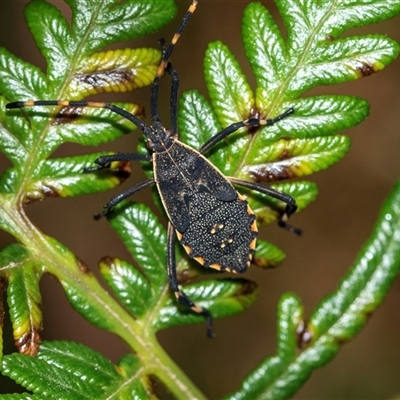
(60, 262)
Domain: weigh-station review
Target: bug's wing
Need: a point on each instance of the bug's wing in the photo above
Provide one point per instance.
(204, 176)
(181, 172)
(174, 198)
(207, 178)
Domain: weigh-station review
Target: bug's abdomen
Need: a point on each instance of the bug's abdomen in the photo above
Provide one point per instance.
(221, 234)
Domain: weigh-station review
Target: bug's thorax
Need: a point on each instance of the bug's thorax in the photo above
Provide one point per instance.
(159, 138)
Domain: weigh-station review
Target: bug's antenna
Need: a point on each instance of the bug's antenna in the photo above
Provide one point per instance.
(80, 103)
(168, 51)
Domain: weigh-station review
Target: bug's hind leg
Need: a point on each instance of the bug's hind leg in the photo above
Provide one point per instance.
(181, 297)
(290, 202)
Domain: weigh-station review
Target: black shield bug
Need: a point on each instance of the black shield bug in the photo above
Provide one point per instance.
(211, 220)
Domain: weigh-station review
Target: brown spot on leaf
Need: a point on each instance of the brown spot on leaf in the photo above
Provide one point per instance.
(277, 214)
(285, 154)
(29, 342)
(263, 263)
(365, 69)
(46, 190)
(107, 260)
(304, 335)
(185, 275)
(246, 287)
(67, 114)
(122, 170)
(50, 191)
(270, 173)
(102, 80)
(156, 388)
(82, 266)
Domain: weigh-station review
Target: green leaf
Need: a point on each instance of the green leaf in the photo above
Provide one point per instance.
(129, 285)
(10, 144)
(2, 312)
(145, 239)
(20, 396)
(360, 13)
(267, 255)
(18, 268)
(292, 158)
(312, 32)
(90, 126)
(264, 46)
(254, 385)
(336, 320)
(122, 70)
(112, 21)
(18, 79)
(321, 116)
(68, 370)
(224, 80)
(52, 35)
(345, 60)
(65, 178)
(198, 123)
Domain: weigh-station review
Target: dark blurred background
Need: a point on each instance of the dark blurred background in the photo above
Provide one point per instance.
(335, 226)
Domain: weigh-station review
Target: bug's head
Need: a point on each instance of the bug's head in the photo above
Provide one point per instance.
(159, 138)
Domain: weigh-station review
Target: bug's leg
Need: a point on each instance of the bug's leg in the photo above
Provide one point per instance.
(252, 122)
(105, 161)
(291, 206)
(122, 196)
(173, 282)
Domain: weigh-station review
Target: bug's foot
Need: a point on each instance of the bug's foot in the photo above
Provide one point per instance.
(289, 228)
(186, 302)
(100, 165)
(290, 209)
(102, 214)
(96, 168)
(210, 332)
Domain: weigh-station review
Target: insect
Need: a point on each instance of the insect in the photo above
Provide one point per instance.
(209, 218)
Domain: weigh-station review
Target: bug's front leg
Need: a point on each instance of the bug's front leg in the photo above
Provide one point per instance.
(122, 196)
(105, 161)
(181, 297)
(252, 122)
